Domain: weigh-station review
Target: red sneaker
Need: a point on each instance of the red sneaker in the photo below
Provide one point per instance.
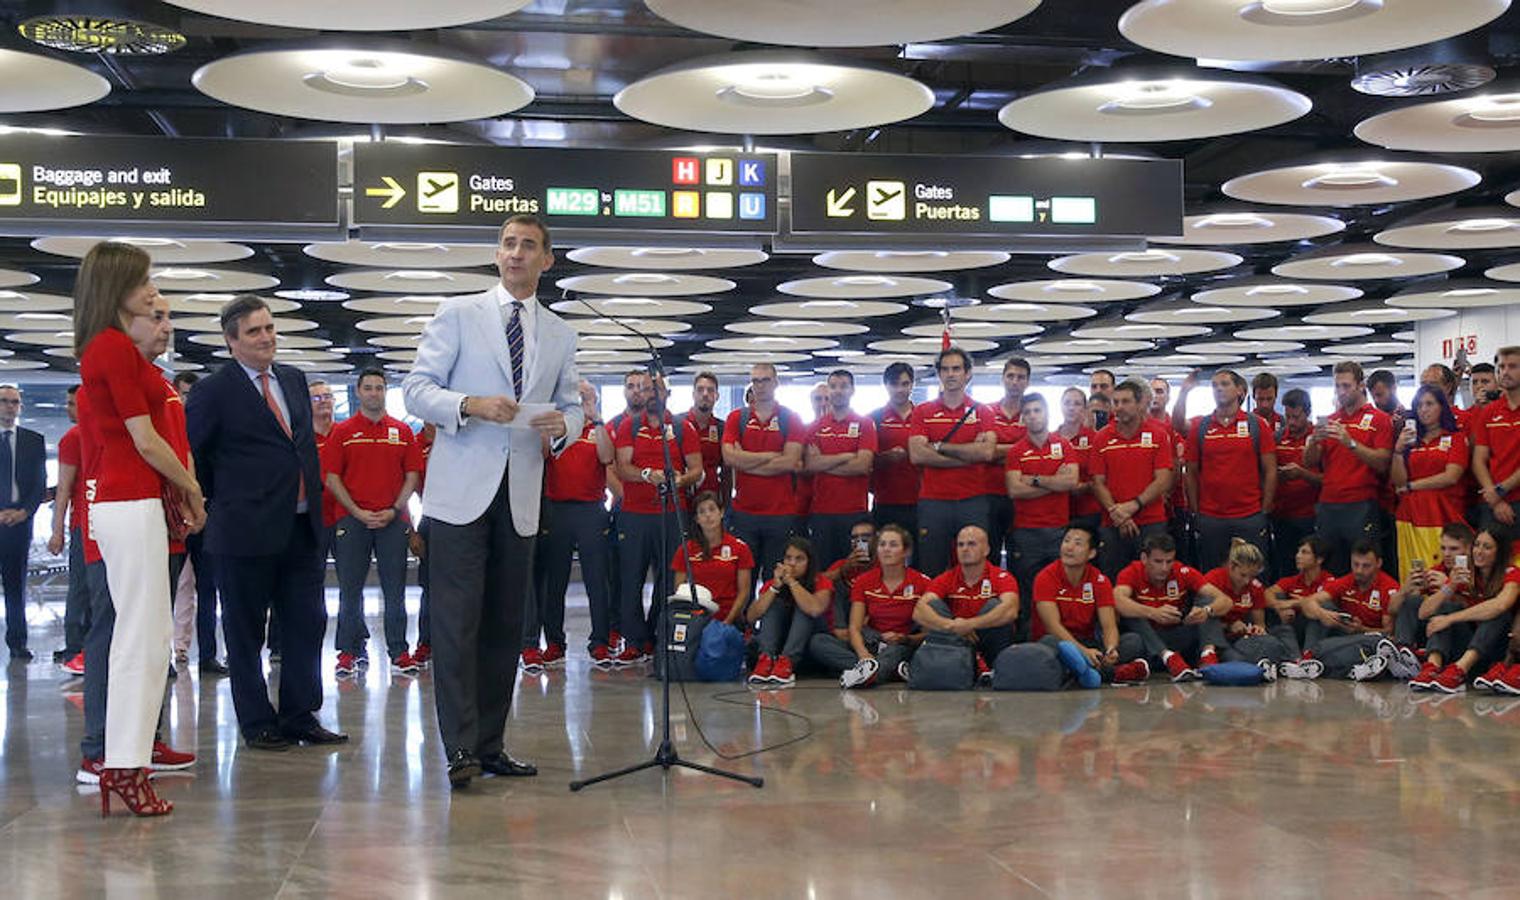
(1209, 658)
(532, 661)
(615, 641)
(346, 665)
(983, 671)
(1452, 680)
(167, 759)
(422, 655)
(762, 672)
(1488, 680)
(89, 771)
(1179, 669)
(1426, 679)
(75, 666)
(554, 655)
(1509, 683)
(629, 657)
(602, 656)
(781, 672)
(1136, 672)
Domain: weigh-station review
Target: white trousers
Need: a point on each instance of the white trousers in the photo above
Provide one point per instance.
(184, 608)
(134, 544)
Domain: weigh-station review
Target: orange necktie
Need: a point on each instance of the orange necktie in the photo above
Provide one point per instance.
(280, 417)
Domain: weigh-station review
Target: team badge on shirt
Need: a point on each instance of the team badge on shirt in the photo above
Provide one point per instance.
(726, 553)
(1055, 451)
(908, 592)
(986, 587)
(393, 435)
(1082, 443)
(712, 432)
(853, 430)
(1445, 442)
(1366, 420)
(1242, 429)
(1145, 439)
(1087, 592)
(1375, 600)
(1172, 590)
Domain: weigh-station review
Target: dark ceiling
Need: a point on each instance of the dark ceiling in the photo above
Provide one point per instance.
(578, 53)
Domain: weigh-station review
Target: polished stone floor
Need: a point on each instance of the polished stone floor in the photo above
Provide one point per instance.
(1293, 790)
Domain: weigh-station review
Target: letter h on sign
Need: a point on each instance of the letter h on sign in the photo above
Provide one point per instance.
(685, 170)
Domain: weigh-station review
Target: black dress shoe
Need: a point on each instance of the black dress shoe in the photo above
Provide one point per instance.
(504, 765)
(315, 734)
(213, 667)
(462, 767)
(21, 653)
(268, 739)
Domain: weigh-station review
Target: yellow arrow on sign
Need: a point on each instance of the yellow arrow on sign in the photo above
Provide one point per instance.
(392, 190)
(838, 206)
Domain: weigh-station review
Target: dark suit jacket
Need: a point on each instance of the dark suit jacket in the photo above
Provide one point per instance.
(31, 472)
(249, 470)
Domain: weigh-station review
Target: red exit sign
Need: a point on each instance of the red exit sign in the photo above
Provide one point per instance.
(1450, 346)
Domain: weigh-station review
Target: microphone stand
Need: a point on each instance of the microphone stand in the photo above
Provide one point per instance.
(665, 755)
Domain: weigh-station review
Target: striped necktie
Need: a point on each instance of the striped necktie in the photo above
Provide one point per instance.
(515, 347)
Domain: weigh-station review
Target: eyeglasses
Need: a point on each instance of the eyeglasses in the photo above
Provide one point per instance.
(321, 398)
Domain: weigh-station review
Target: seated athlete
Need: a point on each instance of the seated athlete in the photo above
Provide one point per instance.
(881, 635)
(1285, 605)
(1349, 620)
(1171, 608)
(793, 605)
(1422, 597)
(1476, 633)
(1245, 624)
(1074, 603)
(974, 600)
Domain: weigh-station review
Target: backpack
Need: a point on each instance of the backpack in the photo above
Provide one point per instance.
(1253, 425)
(1233, 674)
(721, 655)
(1027, 667)
(685, 623)
(943, 662)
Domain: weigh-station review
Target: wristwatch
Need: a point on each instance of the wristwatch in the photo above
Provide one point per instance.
(462, 414)
(1035, 481)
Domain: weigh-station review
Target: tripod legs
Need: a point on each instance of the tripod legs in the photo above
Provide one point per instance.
(666, 757)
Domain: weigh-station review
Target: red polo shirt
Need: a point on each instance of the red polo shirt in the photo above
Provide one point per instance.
(121, 385)
(1347, 478)
(1051, 510)
(1229, 474)
(1009, 431)
(1295, 586)
(717, 570)
(889, 609)
(1295, 497)
(712, 454)
(1433, 509)
(1271, 417)
(1369, 604)
(649, 453)
(577, 475)
(372, 459)
(764, 495)
(1497, 427)
(1082, 442)
(1131, 463)
(893, 483)
(89, 470)
(934, 420)
(1182, 582)
(966, 599)
(1242, 602)
(1078, 604)
(834, 494)
(332, 511)
(68, 455)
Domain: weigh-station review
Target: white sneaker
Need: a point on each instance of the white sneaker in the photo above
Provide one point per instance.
(1268, 670)
(862, 674)
(903, 671)
(1369, 668)
(1301, 669)
(1402, 663)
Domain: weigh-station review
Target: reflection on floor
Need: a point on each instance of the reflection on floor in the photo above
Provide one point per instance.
(1297, 789)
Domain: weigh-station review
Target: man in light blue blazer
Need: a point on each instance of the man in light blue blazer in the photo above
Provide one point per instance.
(480, 358)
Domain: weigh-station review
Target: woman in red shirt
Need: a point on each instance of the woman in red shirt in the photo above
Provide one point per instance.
(127, 516)
(795, 604)
(1283, 604)
(1465, 639)
(1245, 625)
(720, 561)
(1429, 459)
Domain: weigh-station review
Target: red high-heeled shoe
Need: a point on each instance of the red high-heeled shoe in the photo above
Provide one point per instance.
(134, 789)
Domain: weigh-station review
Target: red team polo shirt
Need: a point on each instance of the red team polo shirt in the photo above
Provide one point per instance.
(1497, 427)
(717, 570)
(764, 495)
(967, 599)
(649, 453)
(1082, 442)
(576, 475)
(893, 483)
(1295, 586)
(1348, 479)
(1229, 483)
(834, 494)
(889, 610)
(1177, 591)
(712, 454)
(121, 385)
(933, 420)
(1078, 605)
(1009, 431)
(1131, 463)
(1242, 602)
(1296, 497)
(1051, 510)
(69, 455)
(332, 510)
(89, 469)
(372, 458)
(1435, 508)
(1368, 606)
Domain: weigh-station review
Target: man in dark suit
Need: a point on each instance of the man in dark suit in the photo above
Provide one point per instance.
(250, 430)
(23, 482)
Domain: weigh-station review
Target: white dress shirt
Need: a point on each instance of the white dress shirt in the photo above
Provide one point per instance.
(11, 436)
(274, 389)
(504, 300)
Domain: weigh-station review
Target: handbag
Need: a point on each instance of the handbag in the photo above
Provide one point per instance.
(174, 518)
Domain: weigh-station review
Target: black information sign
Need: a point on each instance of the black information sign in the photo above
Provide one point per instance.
(851, 193)
(642, 190)
(95, 179)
